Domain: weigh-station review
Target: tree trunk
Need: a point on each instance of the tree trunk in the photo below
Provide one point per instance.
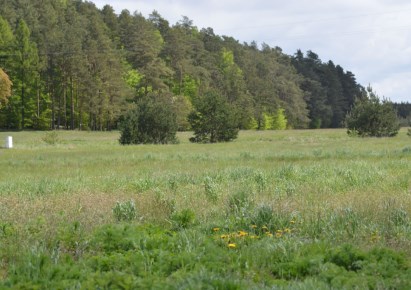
(71, 104)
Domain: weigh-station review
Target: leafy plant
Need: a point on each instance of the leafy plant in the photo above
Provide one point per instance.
(183, 219)
(125, 211)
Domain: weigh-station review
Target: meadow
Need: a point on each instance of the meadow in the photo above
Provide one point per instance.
(298, 209)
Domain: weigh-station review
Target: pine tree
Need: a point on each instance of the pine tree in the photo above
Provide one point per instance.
(372, 117)
(213, 120)
(25, 73)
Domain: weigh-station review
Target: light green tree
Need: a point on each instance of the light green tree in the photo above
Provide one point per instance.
(279, 121)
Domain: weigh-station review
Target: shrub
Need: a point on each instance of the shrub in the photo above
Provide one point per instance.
(152, 121)
(213, 120)
(183, 219)
(372, 117)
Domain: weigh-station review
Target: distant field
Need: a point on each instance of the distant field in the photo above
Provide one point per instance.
(288, 209)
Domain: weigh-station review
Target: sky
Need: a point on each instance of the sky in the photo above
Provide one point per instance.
(370, 38)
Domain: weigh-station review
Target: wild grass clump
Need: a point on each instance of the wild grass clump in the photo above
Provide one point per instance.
(125, 211)
(51, 138)
(211, 189)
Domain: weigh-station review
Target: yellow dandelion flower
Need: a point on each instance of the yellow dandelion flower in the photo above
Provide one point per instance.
(287, 230)
(278, 235)
(269, 234)
(242, 234)
(254, 237)
(264, 228)
(253, 226)
(279, 232)
(224, 236)
(216, 229)
(292, 221)
(232, 246)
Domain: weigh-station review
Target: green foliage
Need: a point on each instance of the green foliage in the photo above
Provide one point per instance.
(213, 120)
(125, 256)
(133, 78)
(279, 120)
(347, 257)
(125, 211)
(409, 132)
(187, 88)
(253, 124)
(372, 117)
(90, 89)
(272, 121)
(183, 219)
(329, 91)
(182, 107)
(152, 121)
(267, 121)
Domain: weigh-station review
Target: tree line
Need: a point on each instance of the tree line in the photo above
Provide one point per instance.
(74, 66)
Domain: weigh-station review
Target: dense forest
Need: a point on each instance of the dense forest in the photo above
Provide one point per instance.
(74, 66)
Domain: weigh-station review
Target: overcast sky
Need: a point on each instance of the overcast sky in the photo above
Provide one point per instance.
(371, 38)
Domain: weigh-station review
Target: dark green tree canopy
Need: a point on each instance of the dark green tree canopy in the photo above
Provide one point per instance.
(372, 117)
(152, 121)
(213, 120)
(75, 66)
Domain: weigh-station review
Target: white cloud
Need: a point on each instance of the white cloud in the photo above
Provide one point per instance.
(370, 38)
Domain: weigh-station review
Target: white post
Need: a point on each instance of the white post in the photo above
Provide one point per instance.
(9, 142)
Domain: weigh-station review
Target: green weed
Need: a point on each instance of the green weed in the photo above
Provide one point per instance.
(125, 211)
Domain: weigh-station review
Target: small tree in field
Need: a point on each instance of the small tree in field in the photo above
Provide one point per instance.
(152, 121)
(372, 117)
(213, 120)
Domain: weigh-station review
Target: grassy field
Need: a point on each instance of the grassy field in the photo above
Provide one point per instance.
(271, 210)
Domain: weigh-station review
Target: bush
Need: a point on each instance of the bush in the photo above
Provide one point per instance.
(372, 117)
(152, 121)
(183, 219)
(213, 120)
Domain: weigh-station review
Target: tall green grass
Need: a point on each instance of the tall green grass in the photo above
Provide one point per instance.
(293, 193)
